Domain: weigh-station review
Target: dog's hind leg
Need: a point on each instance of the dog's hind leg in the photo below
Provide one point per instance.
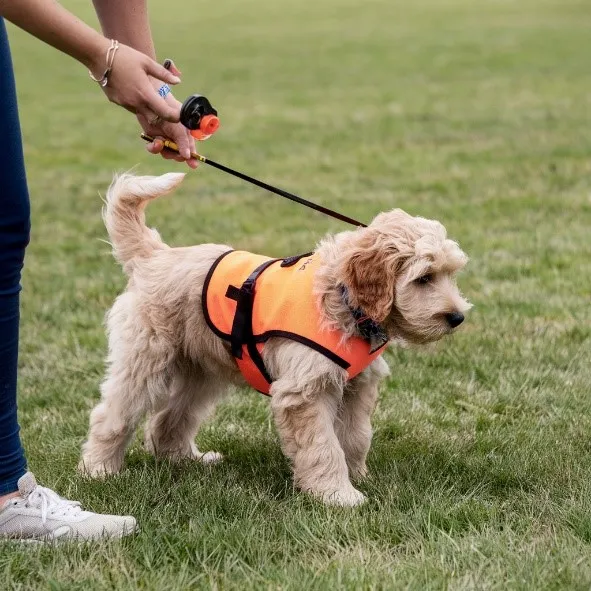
(125, 398)
(171, 431)
(138, 376)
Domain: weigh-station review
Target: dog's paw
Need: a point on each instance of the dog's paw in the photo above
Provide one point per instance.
(358, 472)
(209, 457)
(349, 497)
(97, 469)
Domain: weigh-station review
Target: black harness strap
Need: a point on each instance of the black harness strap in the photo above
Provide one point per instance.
(242, 325)
(291, 261)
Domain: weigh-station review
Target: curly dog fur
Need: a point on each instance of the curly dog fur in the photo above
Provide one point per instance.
(164, 360)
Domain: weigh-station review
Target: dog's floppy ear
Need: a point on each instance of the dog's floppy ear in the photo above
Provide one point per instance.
(370, 266)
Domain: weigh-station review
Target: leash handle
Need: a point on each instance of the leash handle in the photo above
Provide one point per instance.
(170, 145)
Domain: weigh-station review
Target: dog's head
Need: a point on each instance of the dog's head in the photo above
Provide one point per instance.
(401, 271)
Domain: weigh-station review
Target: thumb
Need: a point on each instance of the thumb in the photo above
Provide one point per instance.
(161, 73)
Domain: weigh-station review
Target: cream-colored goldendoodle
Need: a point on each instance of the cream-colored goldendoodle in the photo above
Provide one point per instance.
(165, 360)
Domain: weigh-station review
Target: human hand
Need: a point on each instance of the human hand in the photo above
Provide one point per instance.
(130, 84)
(178, 133)
(133, 83)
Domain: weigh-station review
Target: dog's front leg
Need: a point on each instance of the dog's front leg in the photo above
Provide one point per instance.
(353, 425)
(305, 420)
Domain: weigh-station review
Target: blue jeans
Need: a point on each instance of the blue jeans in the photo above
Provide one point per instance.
(14, 237)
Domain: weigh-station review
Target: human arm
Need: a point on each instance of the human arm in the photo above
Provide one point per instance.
(131, 81)
(128, 22)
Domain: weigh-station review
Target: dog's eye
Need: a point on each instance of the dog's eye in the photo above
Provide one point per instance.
(425, 279)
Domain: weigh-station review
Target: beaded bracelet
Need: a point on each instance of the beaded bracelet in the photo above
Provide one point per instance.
(109, 59)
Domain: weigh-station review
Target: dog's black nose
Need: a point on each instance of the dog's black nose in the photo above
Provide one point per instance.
(454, 319)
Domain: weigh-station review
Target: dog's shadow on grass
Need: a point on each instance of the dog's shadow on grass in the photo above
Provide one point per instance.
(405, 469)
(254, 466)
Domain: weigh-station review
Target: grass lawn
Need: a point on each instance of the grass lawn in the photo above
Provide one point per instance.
(472, 112)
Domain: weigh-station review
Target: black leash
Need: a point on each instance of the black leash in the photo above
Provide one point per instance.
(335, 214)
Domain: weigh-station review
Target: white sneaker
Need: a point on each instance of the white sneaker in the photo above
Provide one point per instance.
(39, 514)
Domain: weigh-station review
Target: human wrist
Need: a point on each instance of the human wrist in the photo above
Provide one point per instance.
(95, 59)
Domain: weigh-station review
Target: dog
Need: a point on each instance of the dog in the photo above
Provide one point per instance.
(397, 276)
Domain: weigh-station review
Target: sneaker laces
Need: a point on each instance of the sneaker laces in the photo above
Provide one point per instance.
(51, 504)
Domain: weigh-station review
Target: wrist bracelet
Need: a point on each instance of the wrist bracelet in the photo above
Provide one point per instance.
(103, 81)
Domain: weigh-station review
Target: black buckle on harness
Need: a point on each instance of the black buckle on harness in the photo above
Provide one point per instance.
(290, 261)
(242, 324)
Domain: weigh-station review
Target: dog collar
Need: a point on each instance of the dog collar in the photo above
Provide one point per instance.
(370, 330)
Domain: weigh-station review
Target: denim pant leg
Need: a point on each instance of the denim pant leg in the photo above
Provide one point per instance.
(14, 237)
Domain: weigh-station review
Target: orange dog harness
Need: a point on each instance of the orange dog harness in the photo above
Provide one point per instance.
(248, 299)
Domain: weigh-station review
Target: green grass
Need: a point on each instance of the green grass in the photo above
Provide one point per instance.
(471, 112)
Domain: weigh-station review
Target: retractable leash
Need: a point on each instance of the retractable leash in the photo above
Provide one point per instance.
(198, 115)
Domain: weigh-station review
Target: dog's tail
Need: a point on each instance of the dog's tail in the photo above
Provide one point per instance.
(124, 216)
